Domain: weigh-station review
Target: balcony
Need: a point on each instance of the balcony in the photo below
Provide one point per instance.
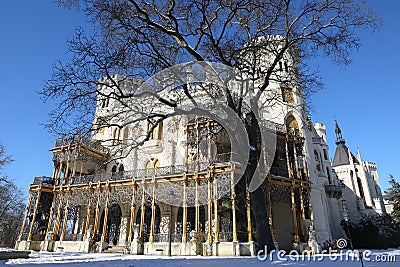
(93, 147)
(153, 146)
(44, 180)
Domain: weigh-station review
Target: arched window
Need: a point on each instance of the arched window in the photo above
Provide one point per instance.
(114, 168)
(151, 167)
(292, 126)
(121, 168)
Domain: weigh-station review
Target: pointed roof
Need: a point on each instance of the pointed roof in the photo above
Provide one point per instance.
(342, 153)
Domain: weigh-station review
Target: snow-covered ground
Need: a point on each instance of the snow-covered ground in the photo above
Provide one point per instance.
(378, 258)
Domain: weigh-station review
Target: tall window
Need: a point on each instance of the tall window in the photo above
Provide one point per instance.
(155, 130)
(117, 136)
(292, 125)
(318, 166)
(101, 125)
(287, 95)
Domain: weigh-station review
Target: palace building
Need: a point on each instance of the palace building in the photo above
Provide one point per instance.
(174, 186)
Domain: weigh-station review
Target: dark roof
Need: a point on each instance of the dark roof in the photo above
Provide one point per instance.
(342, 154)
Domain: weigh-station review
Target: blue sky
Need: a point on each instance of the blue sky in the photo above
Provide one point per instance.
(364, 96)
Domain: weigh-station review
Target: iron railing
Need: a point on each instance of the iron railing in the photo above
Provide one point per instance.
(150, 172)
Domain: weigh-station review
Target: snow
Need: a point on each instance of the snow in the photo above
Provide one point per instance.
(50, 259)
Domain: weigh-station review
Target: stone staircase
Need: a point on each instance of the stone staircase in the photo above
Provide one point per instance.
(115, 249)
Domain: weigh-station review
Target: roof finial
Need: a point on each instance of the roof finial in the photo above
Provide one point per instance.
(338, 131)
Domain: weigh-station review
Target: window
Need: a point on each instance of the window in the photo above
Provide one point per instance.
(125, 136)
(329, 175)
(105, 102)
(287, 95)
(101, 125)
(292, 126)
(325, 155)
(117, 136)
(151, 167)
(318, 166)
(156, 133)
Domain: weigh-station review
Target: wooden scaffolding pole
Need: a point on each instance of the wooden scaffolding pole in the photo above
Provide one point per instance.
(66, 211)
(88, 211)
(184, 215)
(233, 199)
(34, 213)
(103, 234)
(153, 211)
(248, 213)
(216, 225)
(143, 210)
(51, 210)
(56, 226)
(25, 217)
(97, 218)
(209, 209)
(296, 238)
(133, 207)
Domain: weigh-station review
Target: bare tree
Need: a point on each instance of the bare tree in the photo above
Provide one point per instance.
(11, 205)
(138, 39)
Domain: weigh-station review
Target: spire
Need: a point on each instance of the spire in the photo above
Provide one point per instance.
(338, 131)
(359, 155)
